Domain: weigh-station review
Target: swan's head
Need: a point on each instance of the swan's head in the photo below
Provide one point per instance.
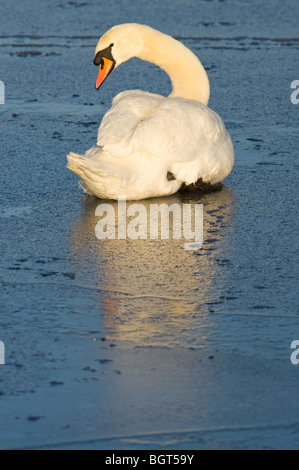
(121, 43)
(118, 45)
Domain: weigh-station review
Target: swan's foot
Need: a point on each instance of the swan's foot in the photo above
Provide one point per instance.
(170, 176)
(201, 186)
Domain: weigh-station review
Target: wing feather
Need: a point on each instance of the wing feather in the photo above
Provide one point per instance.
(185, 134)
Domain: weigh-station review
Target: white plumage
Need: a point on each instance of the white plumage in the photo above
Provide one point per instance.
(145, 137)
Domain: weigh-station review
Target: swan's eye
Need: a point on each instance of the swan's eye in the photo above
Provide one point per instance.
(104, 54)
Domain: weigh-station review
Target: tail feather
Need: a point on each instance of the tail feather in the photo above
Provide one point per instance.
(106, 167)
(75, 164)
(101, 176)
(83, 166)
(141, 175)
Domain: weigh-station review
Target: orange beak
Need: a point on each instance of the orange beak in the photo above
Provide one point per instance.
(105, 68)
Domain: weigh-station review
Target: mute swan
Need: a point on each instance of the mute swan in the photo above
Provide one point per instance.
(149, 145)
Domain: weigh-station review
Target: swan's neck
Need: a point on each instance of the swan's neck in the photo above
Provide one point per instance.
(189, 78)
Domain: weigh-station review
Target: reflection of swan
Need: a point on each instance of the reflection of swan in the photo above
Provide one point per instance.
(156, 292)
(148, 145)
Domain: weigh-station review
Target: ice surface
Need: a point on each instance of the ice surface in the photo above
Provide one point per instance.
(132, 344)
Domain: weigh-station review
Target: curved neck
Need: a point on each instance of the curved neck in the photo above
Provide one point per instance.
(189, 78)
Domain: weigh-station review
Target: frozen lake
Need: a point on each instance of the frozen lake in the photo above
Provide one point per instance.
(127, 344)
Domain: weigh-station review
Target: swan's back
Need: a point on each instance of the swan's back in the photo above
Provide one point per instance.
(129, 109)
(186, 134)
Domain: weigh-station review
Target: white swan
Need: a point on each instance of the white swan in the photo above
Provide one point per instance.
(149, 145)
